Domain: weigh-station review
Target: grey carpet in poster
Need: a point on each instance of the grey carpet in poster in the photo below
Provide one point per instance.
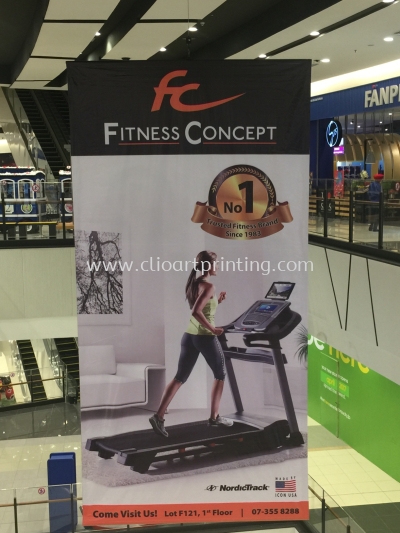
(112, 474)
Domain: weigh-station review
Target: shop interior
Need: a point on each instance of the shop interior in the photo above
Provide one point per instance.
(364, 164)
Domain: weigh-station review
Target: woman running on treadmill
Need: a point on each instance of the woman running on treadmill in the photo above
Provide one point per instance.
(200, 336)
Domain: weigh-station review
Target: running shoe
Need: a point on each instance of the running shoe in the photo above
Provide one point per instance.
(158, 425)
(220, 421)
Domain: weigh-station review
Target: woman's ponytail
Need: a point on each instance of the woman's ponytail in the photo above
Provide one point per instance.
(191, 288)
(205, 261)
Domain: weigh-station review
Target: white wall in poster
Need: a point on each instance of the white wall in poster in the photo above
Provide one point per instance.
(150, 202)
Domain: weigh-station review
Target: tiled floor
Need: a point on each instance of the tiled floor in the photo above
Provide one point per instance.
(23, 462)
(367, 493)
(345, 474)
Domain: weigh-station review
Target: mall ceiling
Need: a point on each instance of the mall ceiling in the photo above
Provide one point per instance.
(37, 37)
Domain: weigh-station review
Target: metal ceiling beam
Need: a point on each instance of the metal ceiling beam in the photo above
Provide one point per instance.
(216, 40)
(332, 27)
(9, 73)
(124, 17)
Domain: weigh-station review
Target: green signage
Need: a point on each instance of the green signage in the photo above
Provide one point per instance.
(355, 403)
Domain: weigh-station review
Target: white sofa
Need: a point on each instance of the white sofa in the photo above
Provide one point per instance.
(106, 384)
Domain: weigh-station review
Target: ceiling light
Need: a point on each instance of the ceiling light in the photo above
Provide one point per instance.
(351, 122)
(390, 113)
(387, 1)
(262, 56)
(163, 49)
(358, 126)
(380, 122)
(193, 28)
(386, 129)
(388, 39)
(314, 33)
(326, 60)
(97, 34)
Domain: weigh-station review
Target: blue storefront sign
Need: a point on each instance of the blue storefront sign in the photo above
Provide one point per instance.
(367, 98)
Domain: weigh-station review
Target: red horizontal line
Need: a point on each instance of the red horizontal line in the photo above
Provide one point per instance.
(135, 144)
(240, 142)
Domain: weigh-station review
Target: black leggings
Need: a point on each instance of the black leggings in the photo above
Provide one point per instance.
(209, 346)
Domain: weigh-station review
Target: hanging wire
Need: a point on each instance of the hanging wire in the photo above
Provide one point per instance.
(188, 38)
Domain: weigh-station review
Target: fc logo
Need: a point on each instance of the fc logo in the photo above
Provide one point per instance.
(211, 488)
(176, 92)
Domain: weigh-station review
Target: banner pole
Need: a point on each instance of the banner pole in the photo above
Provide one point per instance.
(351, 220)
(15, 515)
(63, 214)
(325, 200)
(380, 226)
(3, 206)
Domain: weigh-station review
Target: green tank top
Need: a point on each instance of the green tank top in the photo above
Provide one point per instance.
(195, 328)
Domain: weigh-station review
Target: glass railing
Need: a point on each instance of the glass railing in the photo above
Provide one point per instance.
(364, 212)
(28, 510)
(67, 381)
(46, 218)
(21, 128)
(326, 515)
(30, 386)
(59, 369)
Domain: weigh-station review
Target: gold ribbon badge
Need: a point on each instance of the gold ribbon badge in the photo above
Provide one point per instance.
(277, 215)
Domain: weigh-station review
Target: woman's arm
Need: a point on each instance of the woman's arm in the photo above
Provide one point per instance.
(197, 312)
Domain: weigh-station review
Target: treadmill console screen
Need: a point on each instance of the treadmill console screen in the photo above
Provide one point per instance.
(265, 308)
(280, 291)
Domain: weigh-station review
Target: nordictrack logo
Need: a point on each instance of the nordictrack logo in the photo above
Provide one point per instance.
(229, 488)
(164, 89)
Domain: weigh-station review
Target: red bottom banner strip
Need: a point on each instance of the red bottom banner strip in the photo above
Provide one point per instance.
(95, 515)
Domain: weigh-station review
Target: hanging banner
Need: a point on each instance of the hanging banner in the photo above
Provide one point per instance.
(190, 215)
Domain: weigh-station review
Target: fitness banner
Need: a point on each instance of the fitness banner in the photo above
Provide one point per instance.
(190, 188)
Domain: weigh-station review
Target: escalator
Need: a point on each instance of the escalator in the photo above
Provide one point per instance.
(60, 101)
(69, 355)
(31, 369)
(55, 108)
(48, 126)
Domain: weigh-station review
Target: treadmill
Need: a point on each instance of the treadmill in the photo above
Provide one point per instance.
(263, 325)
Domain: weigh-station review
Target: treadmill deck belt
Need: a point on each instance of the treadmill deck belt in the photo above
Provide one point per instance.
(191, 433)
(139, 449)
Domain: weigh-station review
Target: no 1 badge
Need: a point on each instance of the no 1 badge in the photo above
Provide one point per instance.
(242, 205)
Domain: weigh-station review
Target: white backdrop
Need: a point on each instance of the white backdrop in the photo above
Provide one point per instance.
(150, 201)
